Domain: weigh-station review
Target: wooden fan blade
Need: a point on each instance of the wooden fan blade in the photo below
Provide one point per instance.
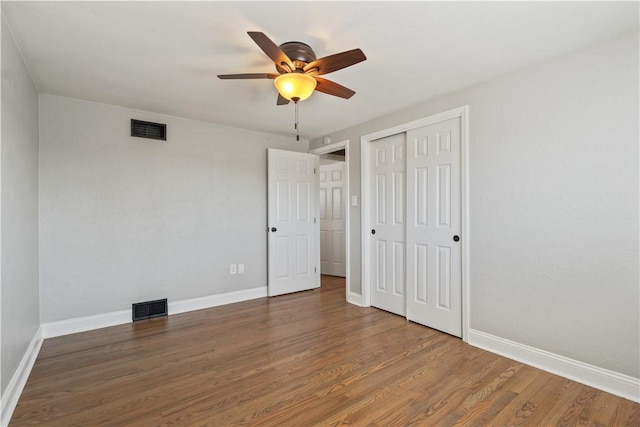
(282, 100)
(272, 50)
(248, 76)
(335, 62)
(332, 88)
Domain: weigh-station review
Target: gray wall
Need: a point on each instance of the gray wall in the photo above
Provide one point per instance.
(19, 217)
(127, 219)
(553, 203)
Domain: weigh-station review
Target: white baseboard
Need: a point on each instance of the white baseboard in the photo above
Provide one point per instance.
(355, 299)
(594, 376)
(216, 300)
(14, 389)
(88, 323)
(83, 324)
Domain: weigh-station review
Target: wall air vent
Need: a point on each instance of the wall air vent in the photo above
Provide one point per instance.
(149, 309)
(148, 130)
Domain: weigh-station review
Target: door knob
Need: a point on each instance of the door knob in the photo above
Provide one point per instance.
(274, 229)
(373, 231)
(456, 238)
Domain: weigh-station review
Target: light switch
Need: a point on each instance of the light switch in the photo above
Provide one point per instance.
(354, 200)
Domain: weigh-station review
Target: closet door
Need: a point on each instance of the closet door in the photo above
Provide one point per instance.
(434, 283)
(387, 213)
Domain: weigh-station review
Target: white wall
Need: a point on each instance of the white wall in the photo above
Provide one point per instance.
(127, 219)
(19, 313)
(553, 203)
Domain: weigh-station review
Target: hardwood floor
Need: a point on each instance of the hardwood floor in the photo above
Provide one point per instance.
(303, 359)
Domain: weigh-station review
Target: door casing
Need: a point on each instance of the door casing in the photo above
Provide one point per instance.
(366, 140)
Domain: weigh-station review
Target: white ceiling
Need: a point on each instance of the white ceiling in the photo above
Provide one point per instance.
(164, 56)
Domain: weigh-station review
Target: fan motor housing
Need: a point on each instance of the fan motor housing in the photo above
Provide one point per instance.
(300, 53)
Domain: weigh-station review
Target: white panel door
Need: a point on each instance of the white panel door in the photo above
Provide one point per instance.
(388, 223)
(332, 225)
(434, 284)
(293, 257)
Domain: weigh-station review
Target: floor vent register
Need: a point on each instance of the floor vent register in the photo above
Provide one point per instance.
(149, 309)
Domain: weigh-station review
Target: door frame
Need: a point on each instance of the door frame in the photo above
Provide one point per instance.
(326, 149)
(365, 144)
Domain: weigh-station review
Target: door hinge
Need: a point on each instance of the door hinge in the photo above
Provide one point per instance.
(314, 220)
(315, 269)
(314, 171)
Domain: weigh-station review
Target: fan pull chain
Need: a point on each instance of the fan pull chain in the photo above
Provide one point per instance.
(296, 124)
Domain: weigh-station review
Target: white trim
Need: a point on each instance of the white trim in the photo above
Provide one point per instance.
(594, 376)
(88, 323)
(330, 149)
(83, 324)
(1, 403)
(19, 379)
(353, 298)
(465, 218)
(365, 220)
(216, 300)
(326, 149)
(425, 121)
(365, 144)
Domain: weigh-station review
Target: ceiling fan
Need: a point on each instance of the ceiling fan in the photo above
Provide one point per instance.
(298, 69)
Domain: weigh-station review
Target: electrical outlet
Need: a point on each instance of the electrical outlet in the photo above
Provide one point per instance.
(240, 268)
(233, 269)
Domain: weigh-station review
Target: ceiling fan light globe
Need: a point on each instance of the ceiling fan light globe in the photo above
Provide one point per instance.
(295, 85)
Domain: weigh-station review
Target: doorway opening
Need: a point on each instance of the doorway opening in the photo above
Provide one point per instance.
(334, 210)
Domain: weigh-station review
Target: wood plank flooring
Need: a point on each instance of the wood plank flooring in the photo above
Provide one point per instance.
(305, 359)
